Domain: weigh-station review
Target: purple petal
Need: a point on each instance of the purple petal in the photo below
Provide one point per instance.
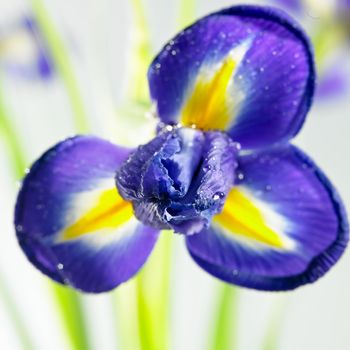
(247, 69)
(283, 227)
(71, 222)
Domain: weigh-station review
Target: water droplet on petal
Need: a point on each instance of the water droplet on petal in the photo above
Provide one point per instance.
(169, 128)
(60, 266)
(240, 176)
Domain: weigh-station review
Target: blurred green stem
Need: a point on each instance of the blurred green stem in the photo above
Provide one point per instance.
(7, 131)
(70, 307)
(225, 321)
(62, 63)
(17, 161)
(153, 296)
(326, 39)
(142, 53)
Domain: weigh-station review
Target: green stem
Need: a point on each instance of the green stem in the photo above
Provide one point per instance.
(70, 306)
(326, 38)
(126, 316)
(62, 64)
(14, 150)
(225, 321)
(142, 54)
(153, 296)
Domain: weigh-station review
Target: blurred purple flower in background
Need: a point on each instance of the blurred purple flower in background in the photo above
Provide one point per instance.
(330, 25)
(230, 92)
(23, 51)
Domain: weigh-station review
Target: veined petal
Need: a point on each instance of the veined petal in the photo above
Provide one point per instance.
(247, 69)
(283, 226)
(71, 222)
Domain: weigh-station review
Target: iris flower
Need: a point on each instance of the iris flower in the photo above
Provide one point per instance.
(230, 92)
(23, 50)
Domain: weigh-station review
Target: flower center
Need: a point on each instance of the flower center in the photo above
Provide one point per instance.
(180, 179)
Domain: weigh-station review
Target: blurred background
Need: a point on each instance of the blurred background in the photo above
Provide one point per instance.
(79, 66)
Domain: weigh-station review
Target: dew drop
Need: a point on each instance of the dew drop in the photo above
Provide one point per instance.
(207, 168)
(173, 52)
(235, 272)
(268, 188)
(240, 176)
(27, 171)
(60, 266)
(218, 195)
(19, 228)
(169, 128)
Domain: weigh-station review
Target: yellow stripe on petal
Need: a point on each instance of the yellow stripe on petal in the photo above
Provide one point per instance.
(210, 105)
(240, 216)
(110, 211)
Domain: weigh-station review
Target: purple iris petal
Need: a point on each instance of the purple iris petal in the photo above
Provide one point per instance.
(55, 194)
(44, 64)
(180, 179)
(307, 214)
(29, 56)
(273, 83)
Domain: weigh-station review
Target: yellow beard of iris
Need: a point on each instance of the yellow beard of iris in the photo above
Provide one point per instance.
(208, 106)
(241, 217)
(213, 99)
(111, 211)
